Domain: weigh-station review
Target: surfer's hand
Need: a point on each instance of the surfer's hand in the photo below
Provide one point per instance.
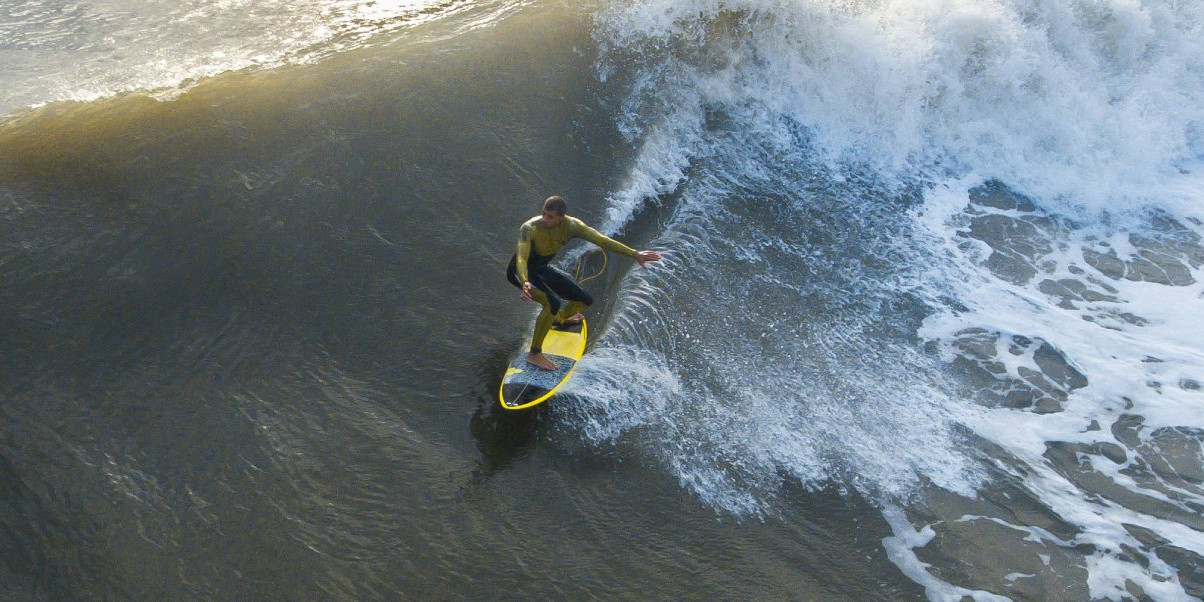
(644, 257)
(526, 294)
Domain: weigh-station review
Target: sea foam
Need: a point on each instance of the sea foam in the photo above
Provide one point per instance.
(970, 237)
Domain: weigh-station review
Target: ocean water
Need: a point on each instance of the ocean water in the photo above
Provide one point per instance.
(926, 327)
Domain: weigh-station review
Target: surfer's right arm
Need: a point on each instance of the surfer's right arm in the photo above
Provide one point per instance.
(520, 258)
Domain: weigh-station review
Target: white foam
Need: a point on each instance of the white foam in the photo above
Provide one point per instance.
(82, 52)
(899, 548)
(1092, 104)
(1094, 110)
(1115, 361)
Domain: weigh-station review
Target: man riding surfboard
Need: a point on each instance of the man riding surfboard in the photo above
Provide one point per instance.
(531, 271)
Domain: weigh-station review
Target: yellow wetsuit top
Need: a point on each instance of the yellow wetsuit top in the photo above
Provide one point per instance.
(545, 242)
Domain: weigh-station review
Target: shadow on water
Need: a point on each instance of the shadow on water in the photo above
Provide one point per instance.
(502, 436)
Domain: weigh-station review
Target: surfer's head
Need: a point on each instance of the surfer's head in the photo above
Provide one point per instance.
(556, 203)
(554, 208)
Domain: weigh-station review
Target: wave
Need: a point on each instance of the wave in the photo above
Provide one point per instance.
(63, 51)
(1087, 103)
(921, 248)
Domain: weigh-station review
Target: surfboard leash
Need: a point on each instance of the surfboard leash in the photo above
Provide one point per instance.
(577, 273)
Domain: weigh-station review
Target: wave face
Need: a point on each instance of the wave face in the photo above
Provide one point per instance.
(943, 255)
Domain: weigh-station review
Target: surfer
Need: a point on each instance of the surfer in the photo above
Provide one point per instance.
(560, 296)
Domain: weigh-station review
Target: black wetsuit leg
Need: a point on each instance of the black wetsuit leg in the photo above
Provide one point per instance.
(555, 283)
(562, 286)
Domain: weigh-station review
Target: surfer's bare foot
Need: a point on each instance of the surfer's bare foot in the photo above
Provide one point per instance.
(574, 319)
(541, 361)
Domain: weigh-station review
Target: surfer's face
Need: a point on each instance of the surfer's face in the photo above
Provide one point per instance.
(550, 218)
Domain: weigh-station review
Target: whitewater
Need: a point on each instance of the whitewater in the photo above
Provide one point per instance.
(1006, 290)
(68, 51)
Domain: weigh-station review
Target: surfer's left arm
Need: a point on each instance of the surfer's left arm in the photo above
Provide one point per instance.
(610, 244)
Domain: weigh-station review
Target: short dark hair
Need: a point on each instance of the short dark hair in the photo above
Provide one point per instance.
(556, 203)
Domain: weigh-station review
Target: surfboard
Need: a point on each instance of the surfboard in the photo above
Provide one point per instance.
(526, 386)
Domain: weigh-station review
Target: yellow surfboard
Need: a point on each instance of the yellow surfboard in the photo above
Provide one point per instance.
(525, 386)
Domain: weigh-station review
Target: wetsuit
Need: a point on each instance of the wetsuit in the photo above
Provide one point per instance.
(560, 295)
